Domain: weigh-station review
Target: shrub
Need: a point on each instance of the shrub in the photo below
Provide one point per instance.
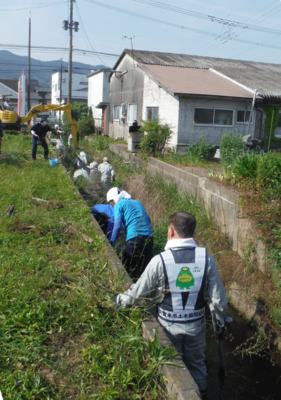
(157, 136)
(202, 150)
(246, 166)
(100, 143)
(230, 148)
(269, 174)
(86, 127)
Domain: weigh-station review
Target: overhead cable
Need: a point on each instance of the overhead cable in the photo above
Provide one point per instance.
(182, 27)
(211, 18)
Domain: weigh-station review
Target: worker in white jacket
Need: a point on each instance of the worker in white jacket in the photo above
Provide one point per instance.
(183, 277)
(107, 172)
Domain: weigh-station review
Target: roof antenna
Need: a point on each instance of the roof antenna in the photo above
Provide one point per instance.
(131, 39)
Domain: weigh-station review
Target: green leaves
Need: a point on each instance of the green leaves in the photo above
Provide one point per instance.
(156, 136)
(202, 150)
(230, 148)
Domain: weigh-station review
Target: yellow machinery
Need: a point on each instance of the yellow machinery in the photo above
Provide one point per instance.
(11, 120)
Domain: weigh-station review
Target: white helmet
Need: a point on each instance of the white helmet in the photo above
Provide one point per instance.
(57, 126)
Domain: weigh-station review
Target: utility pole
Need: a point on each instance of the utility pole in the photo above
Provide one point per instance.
(70, 54)
(28, 76)
(70, 25)
(60, 88)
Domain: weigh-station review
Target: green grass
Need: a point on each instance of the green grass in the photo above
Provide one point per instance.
(61, 336)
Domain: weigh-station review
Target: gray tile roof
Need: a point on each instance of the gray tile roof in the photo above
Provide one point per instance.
(266, 78)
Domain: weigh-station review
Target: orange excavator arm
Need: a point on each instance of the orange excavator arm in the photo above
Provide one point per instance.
(54, 107)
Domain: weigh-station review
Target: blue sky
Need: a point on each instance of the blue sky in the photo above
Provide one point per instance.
(105, 27)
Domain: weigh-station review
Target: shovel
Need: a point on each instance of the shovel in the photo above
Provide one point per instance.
(221, 369)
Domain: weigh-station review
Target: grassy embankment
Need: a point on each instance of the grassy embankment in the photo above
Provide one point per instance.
(61, 336)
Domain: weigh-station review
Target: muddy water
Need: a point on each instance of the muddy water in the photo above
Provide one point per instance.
(248, 378)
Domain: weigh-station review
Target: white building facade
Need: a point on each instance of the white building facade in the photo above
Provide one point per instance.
(79, 87)
(98, 99)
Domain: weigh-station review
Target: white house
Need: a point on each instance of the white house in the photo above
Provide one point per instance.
(79, 87)
(197, 96)
(98, 99)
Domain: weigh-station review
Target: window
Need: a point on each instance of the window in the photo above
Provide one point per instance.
(152, 113)
(132, 112)
(116, 113)
(83, 83)
(243, 117)
(223, 117)
(204, 116)
(212, 116)
(123, 109)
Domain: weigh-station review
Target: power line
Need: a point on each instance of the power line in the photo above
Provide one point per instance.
(53, 49)
(211, 18)
(39, 6)
(87, 35)
(182, 27)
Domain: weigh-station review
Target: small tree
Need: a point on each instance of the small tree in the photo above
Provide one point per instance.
(156, 137)
(79, 111)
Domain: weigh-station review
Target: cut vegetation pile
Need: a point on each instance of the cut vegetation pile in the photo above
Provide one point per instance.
(61, 337)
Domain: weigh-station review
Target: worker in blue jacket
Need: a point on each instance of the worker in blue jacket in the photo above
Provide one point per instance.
(131, 214)
(104, 215)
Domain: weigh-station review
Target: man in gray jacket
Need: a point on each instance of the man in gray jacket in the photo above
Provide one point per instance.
(184, 276)
(107, 172)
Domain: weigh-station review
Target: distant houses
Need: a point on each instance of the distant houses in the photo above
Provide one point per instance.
(197, 96)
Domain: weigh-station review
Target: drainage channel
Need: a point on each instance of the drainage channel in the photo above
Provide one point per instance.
(252, 376)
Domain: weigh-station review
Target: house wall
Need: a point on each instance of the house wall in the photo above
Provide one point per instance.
(98, 92)
(190, 133)
(77, 94)
(168, 105)
(129, 90)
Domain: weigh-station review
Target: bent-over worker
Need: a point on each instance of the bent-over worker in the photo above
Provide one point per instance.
(131, 214)
(107, 172)
(104, 215)
(95, 175)
(184, 276)
(39, 132)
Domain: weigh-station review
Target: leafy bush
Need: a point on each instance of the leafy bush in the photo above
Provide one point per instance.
(157, 136)
(79, 112)
(86, 127)
(230, 148)
(269, 174)
(100, 143)
(246, 166)
(202, 150)
(270, 124)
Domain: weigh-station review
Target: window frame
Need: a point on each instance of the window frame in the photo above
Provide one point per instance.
(213, 123)
(116, 105)
(128, 113)
(147, 107)
(245, 122)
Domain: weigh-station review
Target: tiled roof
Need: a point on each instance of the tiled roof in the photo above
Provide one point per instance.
(266, 78)
(194, 81)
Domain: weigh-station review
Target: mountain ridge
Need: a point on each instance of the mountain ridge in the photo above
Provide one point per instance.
(12, 64)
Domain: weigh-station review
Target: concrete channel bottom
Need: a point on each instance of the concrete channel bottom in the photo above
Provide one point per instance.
(179, 383)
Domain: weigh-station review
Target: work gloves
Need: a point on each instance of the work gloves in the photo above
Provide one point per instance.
(218, 332)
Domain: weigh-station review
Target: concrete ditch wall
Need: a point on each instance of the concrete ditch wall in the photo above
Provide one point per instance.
(220, 200)
(179, 383)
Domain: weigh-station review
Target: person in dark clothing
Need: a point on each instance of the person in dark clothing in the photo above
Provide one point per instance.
(104, 215)
(39, 132)
(131, 214)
